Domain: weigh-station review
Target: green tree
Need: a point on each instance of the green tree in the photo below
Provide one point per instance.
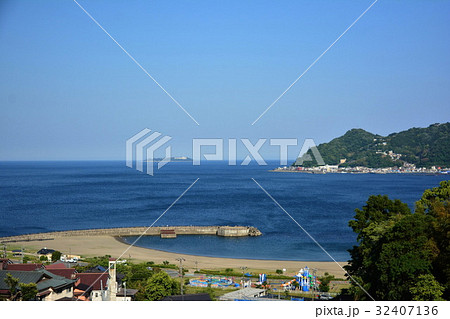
(279, 271)
(56, 255)
(137, 272)
(427, 288)
(159, 286)
(12, 283)
(436, 203)
(324, 285)
(405, 253)
(29, 291)
(431, 196)
(398, 252)
(371, 223)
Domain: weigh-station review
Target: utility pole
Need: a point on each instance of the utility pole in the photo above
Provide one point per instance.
(243, 270)
(196, 265)
(4, 251)
(181, 259)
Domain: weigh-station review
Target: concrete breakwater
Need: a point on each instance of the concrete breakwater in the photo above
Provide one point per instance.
(164, 232)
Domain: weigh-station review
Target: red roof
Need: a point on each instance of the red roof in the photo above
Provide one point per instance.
(56, 266)
(23, 267)
(66, 272)
(96, 280)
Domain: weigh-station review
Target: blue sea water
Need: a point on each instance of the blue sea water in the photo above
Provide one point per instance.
(52, 196)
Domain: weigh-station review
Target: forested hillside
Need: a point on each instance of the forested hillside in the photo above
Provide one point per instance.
(424, 147)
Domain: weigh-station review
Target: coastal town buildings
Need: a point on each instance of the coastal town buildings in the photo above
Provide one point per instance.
(91, 286)
(59, 282)
(50, 287)
(46, 252)
(406, 168)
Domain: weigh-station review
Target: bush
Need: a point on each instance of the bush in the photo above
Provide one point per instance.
(159, 286)
(56, 255)
(324, 285)
(29, 291)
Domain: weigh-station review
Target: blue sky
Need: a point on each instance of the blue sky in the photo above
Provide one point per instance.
(68, 92)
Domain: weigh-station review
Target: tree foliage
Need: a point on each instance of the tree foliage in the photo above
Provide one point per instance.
(398, 250)
(426, 288)
(28, 291)
(56, 255)
(12, 283)
(159, 286)
(136, 272)
(324, 285)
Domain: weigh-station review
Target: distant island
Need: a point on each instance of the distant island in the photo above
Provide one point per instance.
(417, 150)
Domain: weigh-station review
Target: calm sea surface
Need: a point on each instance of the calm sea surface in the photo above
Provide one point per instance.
(52, 196)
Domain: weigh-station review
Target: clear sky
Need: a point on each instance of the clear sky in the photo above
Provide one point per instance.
(67, 91)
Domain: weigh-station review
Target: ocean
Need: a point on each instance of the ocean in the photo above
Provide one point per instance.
(54, 196)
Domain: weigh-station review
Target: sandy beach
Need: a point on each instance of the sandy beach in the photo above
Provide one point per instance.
(106, 245)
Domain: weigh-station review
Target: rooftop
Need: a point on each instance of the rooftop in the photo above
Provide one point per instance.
(23, 267)
(57, 265)
(69, 273)
(45, 251)
(190, 297)
(42, 278)
(96, 280)
(243, 294)
(128, 292)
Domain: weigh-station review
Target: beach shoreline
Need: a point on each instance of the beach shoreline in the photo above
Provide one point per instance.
(92, 246)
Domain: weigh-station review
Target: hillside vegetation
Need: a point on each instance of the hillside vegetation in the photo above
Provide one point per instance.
(424, 147)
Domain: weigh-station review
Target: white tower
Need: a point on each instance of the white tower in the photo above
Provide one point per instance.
(112, 281)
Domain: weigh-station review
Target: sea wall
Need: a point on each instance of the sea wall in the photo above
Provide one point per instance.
(227, 231)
